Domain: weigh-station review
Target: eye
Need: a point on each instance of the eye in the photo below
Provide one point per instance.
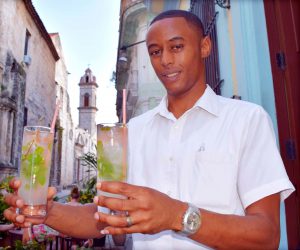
(155, 52)
(177, 47)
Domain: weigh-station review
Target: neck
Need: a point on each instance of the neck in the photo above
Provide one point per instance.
(178, 105)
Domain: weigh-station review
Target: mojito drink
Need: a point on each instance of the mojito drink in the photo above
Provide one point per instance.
(35, 170)
(111, 154)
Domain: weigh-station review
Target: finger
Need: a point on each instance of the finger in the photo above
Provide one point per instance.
(112, 220)
(33, 221)
(11, 215)
(121, 230)
(117, 220)
(20, 220)
(51, 193)
(15, 183)
(116, 187)
(116, 204)
(13, 200)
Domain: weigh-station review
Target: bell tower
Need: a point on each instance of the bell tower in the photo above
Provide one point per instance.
(87, 107)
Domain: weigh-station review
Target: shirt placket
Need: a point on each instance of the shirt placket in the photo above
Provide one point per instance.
(174, 154)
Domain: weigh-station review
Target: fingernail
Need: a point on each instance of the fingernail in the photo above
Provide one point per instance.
(98, 185)
(96, 216)
(96, 199)
(104, 231)
(20, 218)
(19, 203)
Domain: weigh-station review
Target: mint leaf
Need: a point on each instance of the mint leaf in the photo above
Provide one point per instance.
(33, 164)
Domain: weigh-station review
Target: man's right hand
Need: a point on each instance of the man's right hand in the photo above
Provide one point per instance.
(15, 202)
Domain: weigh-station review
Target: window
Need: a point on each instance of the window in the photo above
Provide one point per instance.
(78, 171)
(87, 79)
(27, 37)
(61, 99)
(25, 116)
(86, 100)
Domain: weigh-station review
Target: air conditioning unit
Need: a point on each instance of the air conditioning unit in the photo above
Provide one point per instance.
(27, 59)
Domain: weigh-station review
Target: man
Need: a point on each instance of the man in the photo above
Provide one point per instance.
(205, 169)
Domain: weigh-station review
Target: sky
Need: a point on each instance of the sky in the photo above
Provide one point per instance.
(88, 32)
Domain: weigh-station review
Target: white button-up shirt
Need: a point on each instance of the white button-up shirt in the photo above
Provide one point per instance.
(220, 155)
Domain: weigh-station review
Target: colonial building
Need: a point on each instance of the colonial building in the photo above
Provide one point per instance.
(255, 57)
(258, 44)
(134, 71)
(62, 171)
(27, 78)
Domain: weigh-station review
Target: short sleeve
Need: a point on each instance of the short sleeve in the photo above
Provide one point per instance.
(261, 170)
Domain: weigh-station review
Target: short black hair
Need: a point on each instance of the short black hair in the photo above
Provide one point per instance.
(75, 193)
(188, 16)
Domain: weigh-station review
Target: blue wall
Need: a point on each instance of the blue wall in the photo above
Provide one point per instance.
(251, 60)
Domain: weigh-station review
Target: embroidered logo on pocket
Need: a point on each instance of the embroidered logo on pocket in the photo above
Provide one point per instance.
(202, 147)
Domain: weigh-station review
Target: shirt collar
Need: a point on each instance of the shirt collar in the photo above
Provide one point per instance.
(208, 101)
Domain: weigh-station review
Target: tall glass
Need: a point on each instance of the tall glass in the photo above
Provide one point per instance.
(35, 170)
(112, 154)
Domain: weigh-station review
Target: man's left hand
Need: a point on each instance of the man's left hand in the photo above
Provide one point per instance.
(148, 210)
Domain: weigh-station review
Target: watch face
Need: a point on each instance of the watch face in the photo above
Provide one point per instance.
(193, 221)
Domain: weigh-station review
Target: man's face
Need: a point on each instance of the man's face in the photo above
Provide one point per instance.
(174, 48)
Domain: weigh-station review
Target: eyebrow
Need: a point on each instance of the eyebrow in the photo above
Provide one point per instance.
(176, 38)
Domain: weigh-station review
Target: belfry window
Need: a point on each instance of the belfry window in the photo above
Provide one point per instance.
(86, 100)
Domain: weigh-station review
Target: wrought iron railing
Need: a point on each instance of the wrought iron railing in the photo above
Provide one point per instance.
(205, 10)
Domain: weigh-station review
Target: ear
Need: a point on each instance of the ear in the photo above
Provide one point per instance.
(205, 47)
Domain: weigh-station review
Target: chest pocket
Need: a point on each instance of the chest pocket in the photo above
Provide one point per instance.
(216, 173)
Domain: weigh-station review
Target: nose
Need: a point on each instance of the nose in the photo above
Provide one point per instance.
(166, 58)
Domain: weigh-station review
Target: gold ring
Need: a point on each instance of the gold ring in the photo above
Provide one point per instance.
(129, 221)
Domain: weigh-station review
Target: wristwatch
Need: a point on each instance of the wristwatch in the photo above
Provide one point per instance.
(191, 221)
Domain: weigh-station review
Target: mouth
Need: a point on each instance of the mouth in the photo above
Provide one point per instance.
(171, 75)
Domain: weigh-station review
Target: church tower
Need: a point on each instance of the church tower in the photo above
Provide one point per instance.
(87, 108)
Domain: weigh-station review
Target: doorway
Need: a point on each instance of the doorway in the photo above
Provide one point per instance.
(283, 27)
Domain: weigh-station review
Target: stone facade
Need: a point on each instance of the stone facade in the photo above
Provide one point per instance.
(27, 69)
(11, 114)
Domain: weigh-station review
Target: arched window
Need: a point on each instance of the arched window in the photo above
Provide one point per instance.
(87, 79)
(86, 100)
